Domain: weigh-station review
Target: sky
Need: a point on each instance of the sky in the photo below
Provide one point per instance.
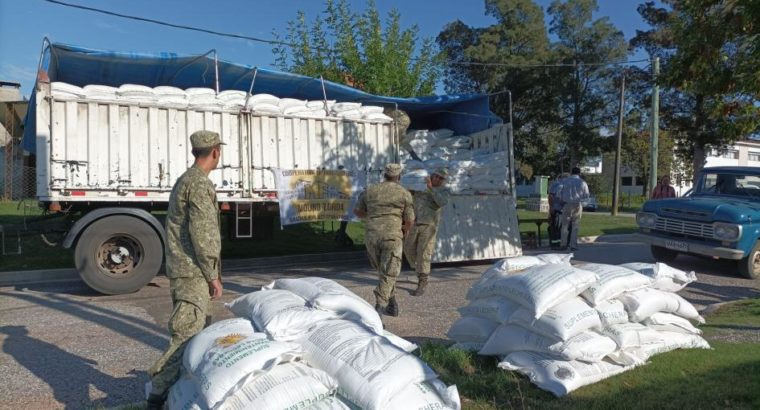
(24, 24)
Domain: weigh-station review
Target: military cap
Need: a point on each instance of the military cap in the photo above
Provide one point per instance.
(393, 170)
(441, 172)
(205, 139)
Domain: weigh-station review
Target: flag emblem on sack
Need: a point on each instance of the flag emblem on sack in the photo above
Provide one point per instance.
(229, 340)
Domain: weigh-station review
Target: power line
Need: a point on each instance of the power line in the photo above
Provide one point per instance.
(164, 23)
(285, 43)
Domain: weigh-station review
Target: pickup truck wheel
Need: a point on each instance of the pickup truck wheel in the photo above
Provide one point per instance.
(663, 255)
(118, 254)
(749, 267)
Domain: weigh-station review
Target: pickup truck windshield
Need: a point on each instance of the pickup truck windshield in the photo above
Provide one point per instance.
(732, 184)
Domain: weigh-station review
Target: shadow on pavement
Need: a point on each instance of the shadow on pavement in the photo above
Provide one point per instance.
(137, 329)
(68, 375)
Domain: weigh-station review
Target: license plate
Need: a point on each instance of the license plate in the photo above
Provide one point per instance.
(677, 246)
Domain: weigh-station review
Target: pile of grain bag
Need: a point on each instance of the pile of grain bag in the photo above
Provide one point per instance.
(565, 326)
(207, 99)
(305, 343)
(470, 170)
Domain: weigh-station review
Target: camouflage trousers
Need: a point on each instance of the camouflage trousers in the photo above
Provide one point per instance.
(190, 315)
(385, 256)
(419, 246)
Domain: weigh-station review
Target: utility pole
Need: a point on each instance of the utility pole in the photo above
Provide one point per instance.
(655, 124)
(616, 178)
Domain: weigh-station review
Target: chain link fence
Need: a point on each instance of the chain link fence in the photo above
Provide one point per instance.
(21, 185)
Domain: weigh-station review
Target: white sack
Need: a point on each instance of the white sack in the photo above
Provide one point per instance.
(612, 312)
(643, 303)
(291, 385)
(371, 109)
(399, 341)
(264, 108)
(559, 377)
(376, 117)
(471, 329)
(539, 288)
(320, 104)
(631, 335)
(665, 277)
(669, 341)
(332, 403)
(135, 90)
(263, 98)
(204, 340)
(184, 395)
(613, 280)
(413, 164)
(671, 323)
(346, 106)
(166, 90)
(518, 263)
(326, 294)
(587, 346)
(370, 369)
(562, 321)
(291, 102)
(194, 91)
(235, 360)
(506, 339)
(282, 314)
(555, 258)
(232, 95)
(428, 395)
(493, 308)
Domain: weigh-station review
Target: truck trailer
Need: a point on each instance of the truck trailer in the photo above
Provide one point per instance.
(106, 166)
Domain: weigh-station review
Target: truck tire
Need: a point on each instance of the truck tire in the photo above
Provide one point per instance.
(118, 254)
(663, 255)
(749, 267)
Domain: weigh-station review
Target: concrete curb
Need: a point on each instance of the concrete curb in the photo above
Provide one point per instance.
(13, 278)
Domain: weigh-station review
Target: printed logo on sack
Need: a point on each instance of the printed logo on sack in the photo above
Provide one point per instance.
(229, 340)
(563, 373)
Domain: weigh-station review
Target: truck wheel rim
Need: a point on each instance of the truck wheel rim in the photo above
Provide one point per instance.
(756, 262)
(119, 255)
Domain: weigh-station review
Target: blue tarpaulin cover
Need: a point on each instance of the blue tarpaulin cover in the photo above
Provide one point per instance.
(464, 113)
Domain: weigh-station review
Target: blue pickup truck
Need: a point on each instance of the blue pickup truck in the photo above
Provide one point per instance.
(720, 218)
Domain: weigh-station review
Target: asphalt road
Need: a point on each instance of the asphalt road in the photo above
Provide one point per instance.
(64, 346)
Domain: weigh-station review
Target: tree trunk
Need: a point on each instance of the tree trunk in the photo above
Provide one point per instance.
(698, 160)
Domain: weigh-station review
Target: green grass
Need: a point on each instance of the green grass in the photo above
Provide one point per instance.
(36, 253)
(725, 377)
(591, 224)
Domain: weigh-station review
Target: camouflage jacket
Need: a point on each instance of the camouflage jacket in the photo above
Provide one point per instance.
(387, 205)
(428, 204)
(193, 240)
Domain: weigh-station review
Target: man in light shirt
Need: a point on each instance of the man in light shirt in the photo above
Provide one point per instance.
(555, 211)
(572, 193)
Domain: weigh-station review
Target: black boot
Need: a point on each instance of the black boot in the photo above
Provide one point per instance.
(392, 309)
(421, 284)
(380, 309)
(155, 402)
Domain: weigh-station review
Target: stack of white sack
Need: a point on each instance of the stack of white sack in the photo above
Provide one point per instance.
(201, 98)
(568, 326)
(470, 171)
(304, 343)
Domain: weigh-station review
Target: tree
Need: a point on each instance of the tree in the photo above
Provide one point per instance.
(710, 75)
(586, 95)
(502, 57)
(361, 51)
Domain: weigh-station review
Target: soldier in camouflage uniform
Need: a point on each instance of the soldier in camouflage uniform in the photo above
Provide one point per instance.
(388, 211)
(419, 244)
(400, 119)
(193, 246)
